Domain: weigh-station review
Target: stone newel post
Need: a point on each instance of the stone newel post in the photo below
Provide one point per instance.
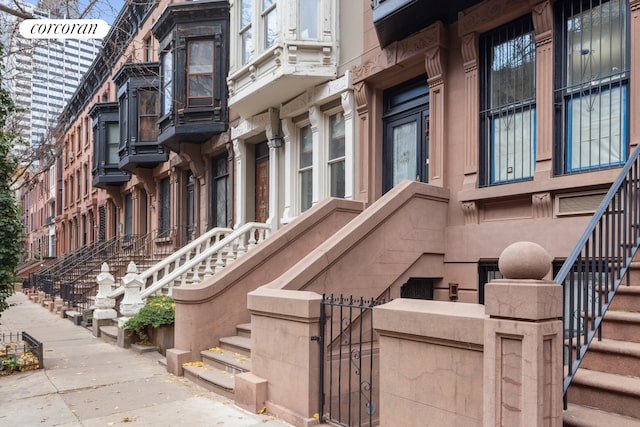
(132, 301)
(104, 313)
(523, 342)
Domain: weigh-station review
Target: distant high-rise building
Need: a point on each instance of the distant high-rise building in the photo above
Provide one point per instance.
(42, 75)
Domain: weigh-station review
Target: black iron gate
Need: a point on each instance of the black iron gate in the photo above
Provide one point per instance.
(349, 362)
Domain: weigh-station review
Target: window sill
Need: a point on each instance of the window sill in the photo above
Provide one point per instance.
(602, 178)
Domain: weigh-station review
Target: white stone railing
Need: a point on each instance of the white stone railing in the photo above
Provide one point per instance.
(179, 258)
(213, 259)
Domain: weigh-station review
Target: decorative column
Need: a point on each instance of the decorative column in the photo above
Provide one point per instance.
(288, 212)
(472, 110)
(523, 341)
(104, 313)
(240, 210)
(348, 104)
(435, 60)
(133, 283)
(543, 25)
(272, 131)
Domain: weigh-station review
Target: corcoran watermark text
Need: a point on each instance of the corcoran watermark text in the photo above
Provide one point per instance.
(64, 28)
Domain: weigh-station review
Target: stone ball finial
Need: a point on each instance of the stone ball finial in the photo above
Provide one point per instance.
(524, 260)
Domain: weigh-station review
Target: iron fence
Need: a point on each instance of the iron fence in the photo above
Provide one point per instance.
(19, 351)
(349, 365)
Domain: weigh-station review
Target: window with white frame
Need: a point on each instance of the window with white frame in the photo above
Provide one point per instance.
(269, 22)
(592, 80)
(336, 155)
(508, 113)
(305, 167)
(308, 19)
(246, 32)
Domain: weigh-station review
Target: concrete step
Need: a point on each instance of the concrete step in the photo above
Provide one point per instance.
(613, 393)
(621, 326)
(237, 344)
(244, 330)
(109, 334)
(627, 298)
(230, 361)
(614, 357)
(213, 379)
(582, 416)
(634, 273)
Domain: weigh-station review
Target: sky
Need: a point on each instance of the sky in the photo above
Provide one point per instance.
(103, 9)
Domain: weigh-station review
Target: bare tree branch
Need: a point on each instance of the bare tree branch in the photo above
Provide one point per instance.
(15, 12)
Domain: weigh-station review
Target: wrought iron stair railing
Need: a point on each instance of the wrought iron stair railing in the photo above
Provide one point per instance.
(81, 285)
(598, 265)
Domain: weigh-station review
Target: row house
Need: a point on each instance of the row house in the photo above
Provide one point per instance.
(393, 148)
(139, 157)
(37, 197)
(444, 131)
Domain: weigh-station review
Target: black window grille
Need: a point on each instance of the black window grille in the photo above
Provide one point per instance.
(508, 108)
(487, 271)
(591, 85)
(165, 208)
(417, 288)
(220, 188)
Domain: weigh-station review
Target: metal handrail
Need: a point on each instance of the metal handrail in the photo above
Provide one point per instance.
(123, 248)
(599, 262)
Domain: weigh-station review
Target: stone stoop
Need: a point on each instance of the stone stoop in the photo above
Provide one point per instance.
(221, 364)
(606, 388)
(109, 333)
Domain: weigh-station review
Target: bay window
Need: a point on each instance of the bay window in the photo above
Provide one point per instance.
(246, 12)
(309, 19)
(270, 24)
(193, 40)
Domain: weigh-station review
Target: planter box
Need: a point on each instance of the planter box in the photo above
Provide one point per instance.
(161, 337)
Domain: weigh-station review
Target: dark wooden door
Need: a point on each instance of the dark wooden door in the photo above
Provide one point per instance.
(262, 183)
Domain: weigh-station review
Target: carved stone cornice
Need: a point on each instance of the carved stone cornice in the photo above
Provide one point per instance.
(635, 5)
(398, 52)
(489, 14)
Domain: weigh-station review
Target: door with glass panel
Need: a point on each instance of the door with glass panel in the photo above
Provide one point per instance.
(220, 176)
(406, 133)
(262, 182)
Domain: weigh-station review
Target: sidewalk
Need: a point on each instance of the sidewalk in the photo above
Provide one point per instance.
(88, 382)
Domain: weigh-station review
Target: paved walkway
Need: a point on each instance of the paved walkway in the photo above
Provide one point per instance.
(88, 382)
